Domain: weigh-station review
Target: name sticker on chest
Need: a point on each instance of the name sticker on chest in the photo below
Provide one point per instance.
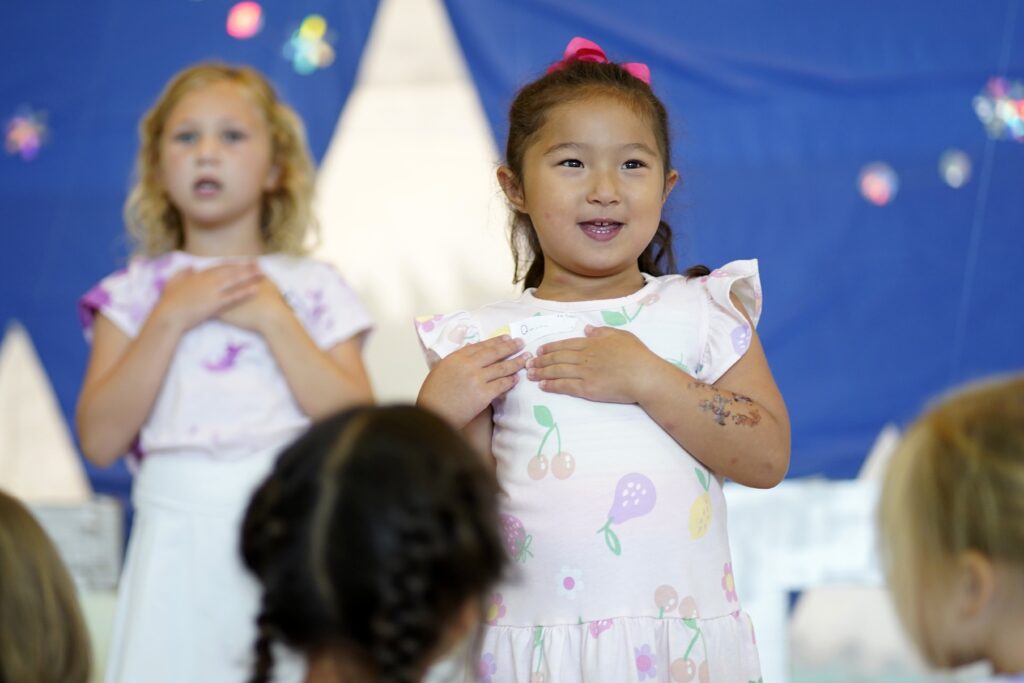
(538, 326)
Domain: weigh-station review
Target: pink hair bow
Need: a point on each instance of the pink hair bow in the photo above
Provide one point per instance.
(583, 50)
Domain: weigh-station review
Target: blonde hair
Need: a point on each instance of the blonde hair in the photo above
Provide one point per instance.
(286, 219)
(42, 634)
(955, 484)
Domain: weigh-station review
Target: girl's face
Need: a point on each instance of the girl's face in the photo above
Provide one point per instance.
(215, 158)
(593, 184)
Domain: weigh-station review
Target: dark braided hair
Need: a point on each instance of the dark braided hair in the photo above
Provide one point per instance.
(580, 80)
(373, 533)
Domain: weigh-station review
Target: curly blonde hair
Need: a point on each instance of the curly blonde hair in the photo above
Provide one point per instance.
(286, 221)
(955, 484)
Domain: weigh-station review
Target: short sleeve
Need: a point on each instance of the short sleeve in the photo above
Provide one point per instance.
(330, 309)
(441, 335)
(125, 297)
(728, 334)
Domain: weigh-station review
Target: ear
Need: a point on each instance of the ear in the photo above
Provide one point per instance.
(975, 584)
(670, 182)
(512, 188)
(273, 178)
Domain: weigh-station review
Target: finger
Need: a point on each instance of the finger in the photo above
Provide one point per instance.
(597, 331)
(506, 367)
(242, 280)
(558, 357)
(500, 386)
(571, 344)
(492, 350)
(555, 372)
(569, 387)
(236, 295)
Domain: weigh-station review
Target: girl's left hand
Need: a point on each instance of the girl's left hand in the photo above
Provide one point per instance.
(258, 311)
(607, 365)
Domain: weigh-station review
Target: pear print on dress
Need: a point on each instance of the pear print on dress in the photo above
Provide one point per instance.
(634, 497)
(701, 511)
(562, 463)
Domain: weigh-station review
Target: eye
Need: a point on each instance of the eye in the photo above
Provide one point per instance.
(184, 137)
(234, 135)
(633, 164)
(571, 163)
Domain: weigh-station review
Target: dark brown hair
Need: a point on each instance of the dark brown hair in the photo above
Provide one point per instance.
(371, 536)
(579, 80)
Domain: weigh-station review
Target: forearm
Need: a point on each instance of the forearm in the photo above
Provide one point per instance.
(113, 406)
(319, 383)
(735, 435)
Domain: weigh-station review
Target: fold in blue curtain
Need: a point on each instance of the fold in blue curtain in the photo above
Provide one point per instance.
(776, 108)
(94, 68)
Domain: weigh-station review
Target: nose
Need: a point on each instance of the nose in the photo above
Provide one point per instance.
(604, 189)
(207, 149)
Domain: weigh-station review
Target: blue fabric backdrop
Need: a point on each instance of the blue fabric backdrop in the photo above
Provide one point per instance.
(776, 108)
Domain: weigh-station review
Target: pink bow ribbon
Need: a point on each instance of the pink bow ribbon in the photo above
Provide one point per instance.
(583, 50)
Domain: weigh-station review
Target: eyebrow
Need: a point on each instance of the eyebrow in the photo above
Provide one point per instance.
(563, 146)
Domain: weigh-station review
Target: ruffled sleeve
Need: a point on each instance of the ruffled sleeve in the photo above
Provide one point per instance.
(329, 308)
(440, 334)
(727, 332)
(125, 297)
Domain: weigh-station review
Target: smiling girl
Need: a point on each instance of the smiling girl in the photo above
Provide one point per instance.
(613, 397)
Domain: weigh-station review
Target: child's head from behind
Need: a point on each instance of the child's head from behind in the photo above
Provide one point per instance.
(375, 539)
(42, 634)
(588, 150)
(219, 146)
(952, 523)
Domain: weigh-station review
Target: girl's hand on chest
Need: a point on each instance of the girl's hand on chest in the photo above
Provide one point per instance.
(606, 365)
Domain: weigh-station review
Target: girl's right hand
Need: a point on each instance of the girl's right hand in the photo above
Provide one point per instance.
(463, 384)
(191, 297)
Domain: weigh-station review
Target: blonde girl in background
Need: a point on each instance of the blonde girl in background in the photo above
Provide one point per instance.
(952, 527)
(615, 395)
(43, 638)
(214, 348)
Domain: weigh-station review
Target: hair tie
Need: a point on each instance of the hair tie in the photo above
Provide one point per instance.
(583, 50)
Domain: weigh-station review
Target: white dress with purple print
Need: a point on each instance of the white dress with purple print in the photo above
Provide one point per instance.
(186, 606)
(622, 564)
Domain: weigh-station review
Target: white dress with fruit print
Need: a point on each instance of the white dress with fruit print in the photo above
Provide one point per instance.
(622, 565)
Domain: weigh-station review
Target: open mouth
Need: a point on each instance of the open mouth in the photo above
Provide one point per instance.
(206, 187)
(600, 230)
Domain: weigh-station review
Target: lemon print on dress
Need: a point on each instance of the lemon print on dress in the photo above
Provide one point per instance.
(700, 511)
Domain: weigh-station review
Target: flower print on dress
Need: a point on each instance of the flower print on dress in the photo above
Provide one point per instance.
(645, 662)
(570, 582)
(495, 609)
(318, 309)
(428, 322)
(486, 668)
(634, 497)
(563, 464)
(729, 583)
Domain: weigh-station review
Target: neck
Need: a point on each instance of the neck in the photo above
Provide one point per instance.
(241, 237)
(1004, 651)
(324, 668)
(564, 286)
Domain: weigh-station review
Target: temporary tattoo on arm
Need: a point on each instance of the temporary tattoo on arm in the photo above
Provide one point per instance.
(719, 407)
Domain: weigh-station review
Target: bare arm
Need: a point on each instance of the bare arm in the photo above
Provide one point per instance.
(738, 427)
(462, 385)
(124, 374)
